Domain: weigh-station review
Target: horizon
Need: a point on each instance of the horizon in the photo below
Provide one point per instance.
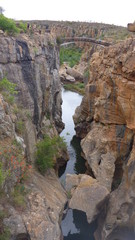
(117, 13)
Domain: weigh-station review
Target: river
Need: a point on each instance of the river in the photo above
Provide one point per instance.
(74, 224)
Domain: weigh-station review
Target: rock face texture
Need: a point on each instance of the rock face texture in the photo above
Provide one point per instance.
(106, 122)
(87, 194)
(41, 217)
(32, 63)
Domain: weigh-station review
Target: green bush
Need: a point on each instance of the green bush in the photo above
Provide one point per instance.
(47, 151)
(23, 26)
(5, 84)
(71, 55)
(19, 127)
(8, 25)
(8, 90)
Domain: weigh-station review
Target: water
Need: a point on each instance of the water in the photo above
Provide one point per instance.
(74, 224)
(76, 163)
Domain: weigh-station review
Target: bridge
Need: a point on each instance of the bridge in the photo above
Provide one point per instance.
(71, 40)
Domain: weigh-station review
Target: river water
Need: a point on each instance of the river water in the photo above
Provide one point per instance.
(76, 163)
(74, 224)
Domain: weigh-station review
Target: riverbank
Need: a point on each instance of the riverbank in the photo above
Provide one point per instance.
(75, 87)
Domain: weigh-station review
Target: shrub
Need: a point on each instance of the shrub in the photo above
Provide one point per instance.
(14, 161)
(8, 25)
(5, 84)
(8, 90)
(19, 127)
(48, 151)
(23, 26)
(71, 55)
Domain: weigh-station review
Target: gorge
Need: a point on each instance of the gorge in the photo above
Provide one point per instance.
(100, 194)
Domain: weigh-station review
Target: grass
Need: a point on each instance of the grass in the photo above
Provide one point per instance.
(75, 87)
(71, 55)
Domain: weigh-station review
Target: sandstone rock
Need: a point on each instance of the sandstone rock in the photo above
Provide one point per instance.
(45, 202)
(6, 124)
(120, 211)
(70, 78)
(35, 73)
(74, 73)
(64, 77)
(109, 110)
(103, 146)
(32, 64)
(88, 195)
(15, 222)
(45, 205)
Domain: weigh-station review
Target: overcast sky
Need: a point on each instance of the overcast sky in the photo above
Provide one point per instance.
(119, 12)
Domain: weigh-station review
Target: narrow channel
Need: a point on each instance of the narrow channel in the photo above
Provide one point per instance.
(74, 224)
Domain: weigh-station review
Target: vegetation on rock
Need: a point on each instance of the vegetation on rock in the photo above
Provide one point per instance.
(75, 87)
(47, 151)
(71, 55)
(9, 25)
(8, 90)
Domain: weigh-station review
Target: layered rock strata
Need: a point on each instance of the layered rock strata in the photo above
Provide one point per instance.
(108, 112)
(32, 63)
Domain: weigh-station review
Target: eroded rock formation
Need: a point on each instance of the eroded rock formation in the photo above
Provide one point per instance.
(106, 122)
(32, 63)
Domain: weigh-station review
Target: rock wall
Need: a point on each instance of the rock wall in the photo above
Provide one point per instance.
(106, 122)
(89, 29)
(32, 63)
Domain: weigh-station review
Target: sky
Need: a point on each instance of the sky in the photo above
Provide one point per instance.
(118, 12)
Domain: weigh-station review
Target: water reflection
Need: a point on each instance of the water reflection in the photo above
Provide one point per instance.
(70, 101)
(80, 161)
(75, 226)
(123, 233)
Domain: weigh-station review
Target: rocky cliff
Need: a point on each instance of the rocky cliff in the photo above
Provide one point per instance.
(106, 122)
(31, 62)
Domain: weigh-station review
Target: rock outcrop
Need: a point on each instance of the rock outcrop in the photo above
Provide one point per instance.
(87, 194)
(32, 63)
(41, 217)
(108, 113)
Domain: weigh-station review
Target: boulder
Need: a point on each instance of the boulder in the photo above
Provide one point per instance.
(74, 73)
(87, 194)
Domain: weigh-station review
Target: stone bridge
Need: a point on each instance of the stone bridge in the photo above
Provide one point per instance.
(71, 40)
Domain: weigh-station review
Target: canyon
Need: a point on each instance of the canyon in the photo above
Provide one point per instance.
(104, 121)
